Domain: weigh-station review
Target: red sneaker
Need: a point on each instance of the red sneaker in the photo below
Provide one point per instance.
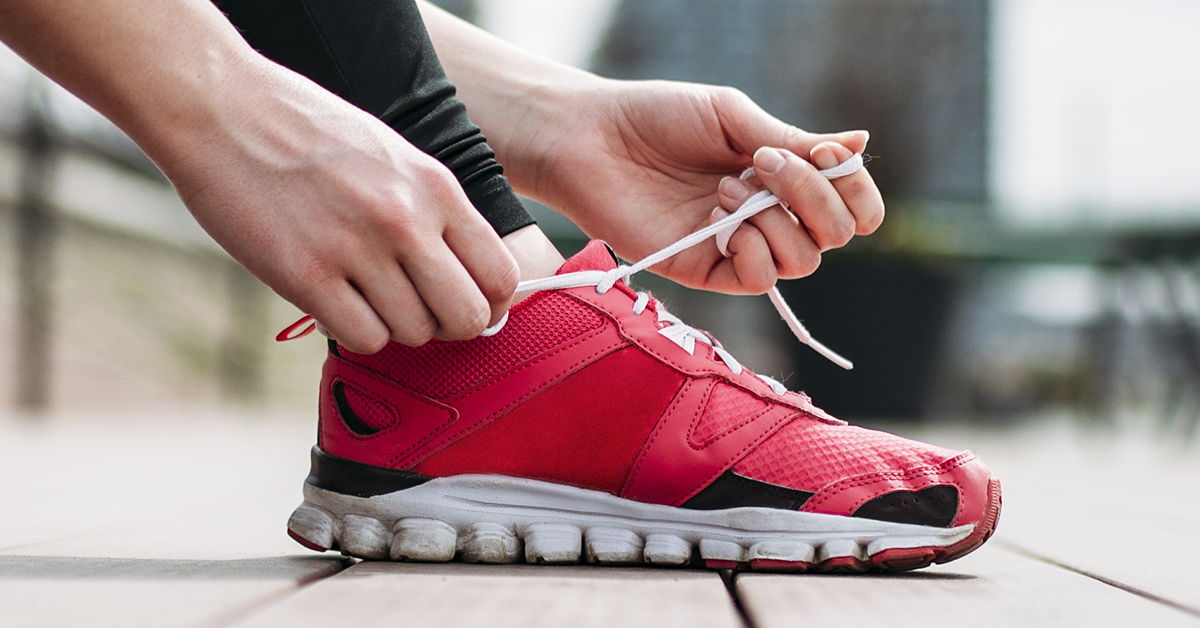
(596, 426)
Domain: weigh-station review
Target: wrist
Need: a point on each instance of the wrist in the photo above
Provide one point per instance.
(197, 106)
(545, 118)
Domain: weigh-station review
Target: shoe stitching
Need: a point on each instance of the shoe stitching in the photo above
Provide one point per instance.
(658, 429)
(712, 440)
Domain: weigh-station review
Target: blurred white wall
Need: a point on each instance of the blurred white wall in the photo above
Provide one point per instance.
(563, 31)
(1096, 112)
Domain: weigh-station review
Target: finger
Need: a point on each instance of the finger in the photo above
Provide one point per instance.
(391, 293)
(809, 194)
(732, 192)
(349, 319)
(448, 290)
(857, 190)
(792, 248)
(750, 268)
(748, 127)
(488, 262)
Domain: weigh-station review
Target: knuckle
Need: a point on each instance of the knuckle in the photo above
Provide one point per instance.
(761, 283)
(873, 222)
(843, 232)
(400, 224)
(793, 136)
(365, 344)
(809, 262)
(416, 332)
(731, 95)
(473, 320)
(853, 187)
(502, 282)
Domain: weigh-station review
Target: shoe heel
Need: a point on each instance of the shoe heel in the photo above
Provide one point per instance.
(311, 528)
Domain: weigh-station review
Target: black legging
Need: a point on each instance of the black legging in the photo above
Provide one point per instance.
(377, 55)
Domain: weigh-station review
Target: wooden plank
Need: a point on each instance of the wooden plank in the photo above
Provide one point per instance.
(991, 587)
(1121, 505)
(148, 487)
(451, 595)
(100, 592)
(150, 523)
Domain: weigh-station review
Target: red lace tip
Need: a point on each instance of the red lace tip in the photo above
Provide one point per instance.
(290, 332)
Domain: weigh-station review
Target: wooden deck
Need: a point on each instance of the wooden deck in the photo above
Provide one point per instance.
(138, 522)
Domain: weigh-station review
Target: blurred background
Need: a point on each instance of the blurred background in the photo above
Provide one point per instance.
(1041, 255)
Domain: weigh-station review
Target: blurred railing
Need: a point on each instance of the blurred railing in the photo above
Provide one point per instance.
(119, 299)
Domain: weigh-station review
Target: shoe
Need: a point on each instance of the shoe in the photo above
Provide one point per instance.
(595, 426)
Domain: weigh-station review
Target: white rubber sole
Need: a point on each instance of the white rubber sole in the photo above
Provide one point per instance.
(495, 519)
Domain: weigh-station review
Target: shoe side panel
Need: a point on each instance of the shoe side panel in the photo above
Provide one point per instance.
(426, 425)
(585, 431)
(420, 418)
(497, 397)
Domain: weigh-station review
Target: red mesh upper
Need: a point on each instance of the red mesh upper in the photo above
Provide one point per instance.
(443, 369)
(806, 455)
(728, 408)
(368, 407)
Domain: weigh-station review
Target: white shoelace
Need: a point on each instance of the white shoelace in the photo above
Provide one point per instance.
(680, 333)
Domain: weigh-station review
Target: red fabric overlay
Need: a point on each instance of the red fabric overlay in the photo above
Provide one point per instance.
(728, 408)
(585, 431)
(443, 369)
(806, 455)
(373, 410)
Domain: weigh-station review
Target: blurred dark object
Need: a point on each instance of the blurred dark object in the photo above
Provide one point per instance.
(36, 231)
(465, 9)
(887, 315)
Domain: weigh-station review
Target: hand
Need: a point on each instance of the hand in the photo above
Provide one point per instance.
(640, 165)
(341, 216)
(324, 203)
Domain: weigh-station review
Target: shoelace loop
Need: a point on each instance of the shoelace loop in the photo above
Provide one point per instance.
(683, 335)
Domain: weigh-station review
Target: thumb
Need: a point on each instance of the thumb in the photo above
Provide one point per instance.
(749, 128)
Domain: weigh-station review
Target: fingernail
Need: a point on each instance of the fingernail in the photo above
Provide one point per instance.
(735, 189)
(866, 135)
(718, 213)
(768, 160)
(823, 156)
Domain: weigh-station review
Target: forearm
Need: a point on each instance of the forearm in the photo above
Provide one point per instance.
(377, 55)
(156, 69)
(521, 101)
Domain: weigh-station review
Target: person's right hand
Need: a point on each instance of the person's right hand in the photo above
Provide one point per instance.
(338, 213)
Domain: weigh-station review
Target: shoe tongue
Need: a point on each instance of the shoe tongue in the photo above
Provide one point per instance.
(595, 256)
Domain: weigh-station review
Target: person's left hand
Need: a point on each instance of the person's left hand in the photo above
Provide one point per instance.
(639, 165)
